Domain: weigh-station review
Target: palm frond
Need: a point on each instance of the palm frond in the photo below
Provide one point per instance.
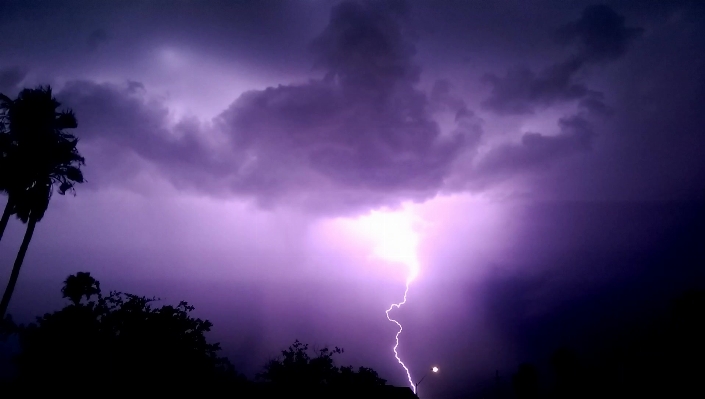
(37, 154)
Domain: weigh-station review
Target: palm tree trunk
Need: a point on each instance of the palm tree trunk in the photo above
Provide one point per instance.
(6, 215)
(16, 268)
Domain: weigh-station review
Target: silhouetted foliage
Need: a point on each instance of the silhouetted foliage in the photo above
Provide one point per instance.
(569, 374)
(297, 367)
(118, 337)
(363, 377)
(78, 285)
(685, 342)
(526, 382)
(302, 368)
(661, 358)
(36, 151)
(122, 343)
(37, 154)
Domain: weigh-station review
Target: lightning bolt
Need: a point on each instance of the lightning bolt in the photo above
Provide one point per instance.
(396, 338)
(395, 239)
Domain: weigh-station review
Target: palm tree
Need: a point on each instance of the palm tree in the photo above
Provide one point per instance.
(37, 155)
(5, 169)
(78, 285)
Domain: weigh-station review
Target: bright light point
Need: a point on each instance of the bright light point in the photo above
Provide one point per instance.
(434, 369)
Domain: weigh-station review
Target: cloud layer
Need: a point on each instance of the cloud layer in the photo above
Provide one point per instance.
(361, 136)
(367, 128)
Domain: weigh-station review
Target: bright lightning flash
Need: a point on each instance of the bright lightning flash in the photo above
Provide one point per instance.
(395, 240)
(396, 337)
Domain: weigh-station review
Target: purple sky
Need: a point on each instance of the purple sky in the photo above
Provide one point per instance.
(544, 157)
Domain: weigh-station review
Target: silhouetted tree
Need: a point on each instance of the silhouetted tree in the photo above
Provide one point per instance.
(297, 367)
(363, 377)
(570, 376)
(78, 285)
(36, 155)
(300, 368)
(118, 339)
(685, 345)
(659, 357)
(6, 149)
(526, 382)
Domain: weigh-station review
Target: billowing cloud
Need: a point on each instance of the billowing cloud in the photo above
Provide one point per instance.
(123, 122)
(362, 136)
(600, 35)
(538, 150)
(521, 90)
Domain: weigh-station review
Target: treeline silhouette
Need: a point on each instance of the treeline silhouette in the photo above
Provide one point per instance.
(120, 343)
(665, 359)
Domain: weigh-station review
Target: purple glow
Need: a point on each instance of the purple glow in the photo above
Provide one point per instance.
(285, 167)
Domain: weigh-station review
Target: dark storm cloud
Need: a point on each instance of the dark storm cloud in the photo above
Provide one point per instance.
(97, 38)
(74, 38)
(467, 124)
(536, 150)
(442, 98)
(600, 35)
(123, 122)
(10, 79)
(651, 146)
(363, 135)
(364, 46)
(591, 272)
(521, 90)
(593, 102)
(365, 128)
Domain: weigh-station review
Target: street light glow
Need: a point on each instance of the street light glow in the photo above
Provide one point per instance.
(416, 387)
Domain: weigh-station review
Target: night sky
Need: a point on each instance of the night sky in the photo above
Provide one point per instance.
(284, 166)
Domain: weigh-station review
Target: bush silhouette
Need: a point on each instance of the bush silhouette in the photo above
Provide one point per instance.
(119, 340)
(300, 367)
